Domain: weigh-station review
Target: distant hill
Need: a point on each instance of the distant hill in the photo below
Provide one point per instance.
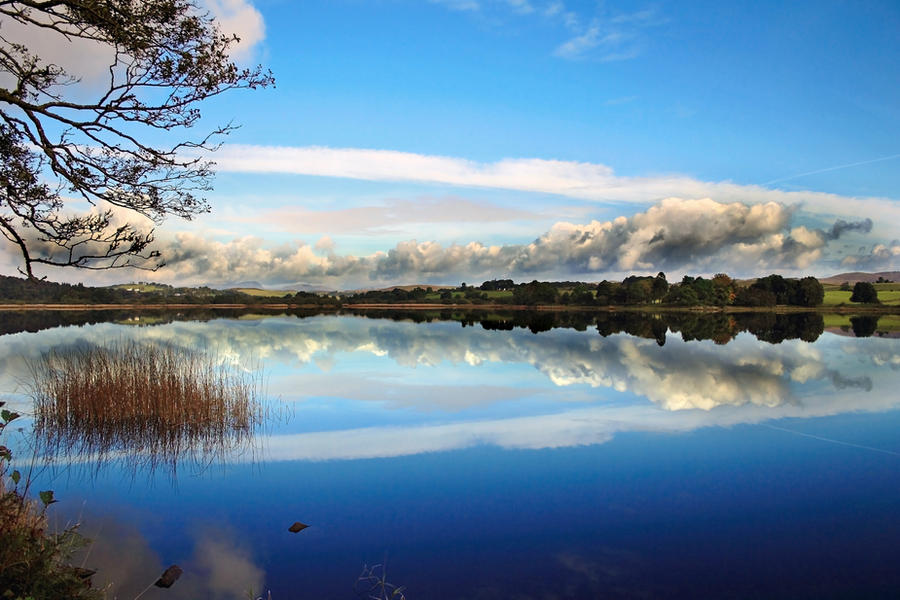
(232, 285)
(857, 276)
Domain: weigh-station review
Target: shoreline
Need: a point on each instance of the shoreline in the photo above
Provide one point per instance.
(644, 308)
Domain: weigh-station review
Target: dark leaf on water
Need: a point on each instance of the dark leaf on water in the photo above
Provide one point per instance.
(296, 527)
(47, 497)
(16, 476)
(169, 577)
(82, 573)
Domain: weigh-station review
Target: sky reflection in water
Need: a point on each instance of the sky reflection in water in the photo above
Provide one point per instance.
(399, 441)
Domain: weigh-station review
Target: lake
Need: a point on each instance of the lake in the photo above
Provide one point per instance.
(527, 455)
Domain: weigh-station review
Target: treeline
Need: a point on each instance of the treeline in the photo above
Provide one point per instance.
(17, 290)
(720, 290)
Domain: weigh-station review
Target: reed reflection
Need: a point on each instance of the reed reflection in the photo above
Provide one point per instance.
(147, 405)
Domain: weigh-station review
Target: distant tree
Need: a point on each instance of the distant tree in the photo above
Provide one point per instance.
(724, 289)
(605, 291)
(808, 292)
(635, 290)
(682, 295)
(845, 287)
(536, 292)
(864, 292)
(497, 285)
(582, 295)
(776, 284)
(754, 296)
(660, 287)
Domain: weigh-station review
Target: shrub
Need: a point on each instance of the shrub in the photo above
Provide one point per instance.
(34, 563)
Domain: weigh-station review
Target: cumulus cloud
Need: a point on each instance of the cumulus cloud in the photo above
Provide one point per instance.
(582, 180)
(841, 227)
(879, 256)
(699, 235)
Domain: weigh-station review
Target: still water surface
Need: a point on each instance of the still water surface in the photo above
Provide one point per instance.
(490, 461)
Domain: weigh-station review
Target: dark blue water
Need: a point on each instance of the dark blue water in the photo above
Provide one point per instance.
(507, 464)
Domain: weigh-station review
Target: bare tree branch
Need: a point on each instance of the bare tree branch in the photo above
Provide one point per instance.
(167, 56)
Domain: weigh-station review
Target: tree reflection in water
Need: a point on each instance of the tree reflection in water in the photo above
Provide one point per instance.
(145, 405)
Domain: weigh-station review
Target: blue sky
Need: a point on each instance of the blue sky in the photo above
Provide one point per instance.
(413, 141)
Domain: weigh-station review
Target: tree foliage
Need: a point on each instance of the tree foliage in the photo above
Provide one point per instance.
(536, 292)
(807, 291)
(62, 141)
(864, 292)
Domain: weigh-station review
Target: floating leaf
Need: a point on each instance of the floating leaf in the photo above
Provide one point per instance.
(47, 497)
(297, 527)
(15, 477)
(169, 577)
(8, 415)
(82, 573)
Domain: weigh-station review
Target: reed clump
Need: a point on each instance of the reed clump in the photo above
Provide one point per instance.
(148, 403)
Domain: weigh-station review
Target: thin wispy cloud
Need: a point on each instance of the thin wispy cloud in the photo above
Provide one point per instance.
(383, 217)
(602, 34)
(461, 5)
(834, 168)
(582, 180)
(607, 37)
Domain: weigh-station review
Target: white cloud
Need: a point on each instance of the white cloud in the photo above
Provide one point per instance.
(384, 216)
(681, 235)
(880, 256)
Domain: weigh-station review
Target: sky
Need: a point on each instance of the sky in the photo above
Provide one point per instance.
(449, 141)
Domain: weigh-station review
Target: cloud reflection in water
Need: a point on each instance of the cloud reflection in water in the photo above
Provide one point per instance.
(460, 387)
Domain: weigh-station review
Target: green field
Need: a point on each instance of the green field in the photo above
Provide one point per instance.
(264, 293)
(141, 287)
(888, 293)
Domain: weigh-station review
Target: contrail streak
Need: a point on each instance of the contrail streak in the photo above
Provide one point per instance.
(825, 439)
(853, 164)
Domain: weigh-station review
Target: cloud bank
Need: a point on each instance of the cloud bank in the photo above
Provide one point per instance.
(698, 235)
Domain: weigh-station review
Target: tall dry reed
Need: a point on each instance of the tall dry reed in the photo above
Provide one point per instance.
(146, 403)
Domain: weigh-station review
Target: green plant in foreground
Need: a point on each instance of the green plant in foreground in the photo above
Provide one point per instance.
(34, 562)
